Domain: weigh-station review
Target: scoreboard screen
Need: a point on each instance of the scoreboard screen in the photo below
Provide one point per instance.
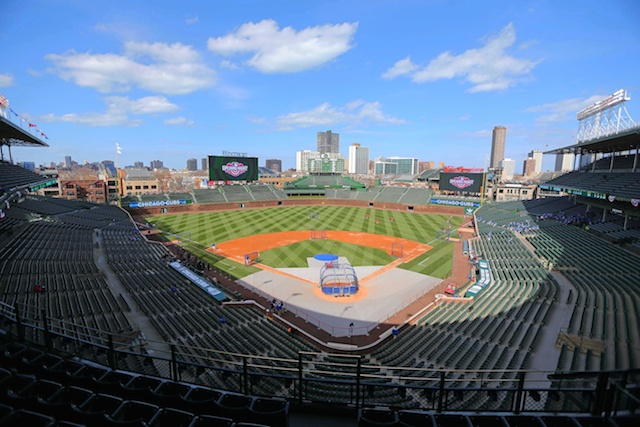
(225, 168)
(468, 182)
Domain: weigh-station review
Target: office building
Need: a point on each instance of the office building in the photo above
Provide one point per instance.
(508, 169)
(425, 166)
(273, 164)
(497, 146)
(156, 164)
(192, 164)
(67, 162)
(138, 165)
(537, 156)
(564, 162)
(328, 142)
(302, 159)
(406, 165)
(529, 167)
(205, 163)
(385, 167)
(358, 159)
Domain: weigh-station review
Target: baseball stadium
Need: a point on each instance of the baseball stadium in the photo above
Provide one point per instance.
(249, 305)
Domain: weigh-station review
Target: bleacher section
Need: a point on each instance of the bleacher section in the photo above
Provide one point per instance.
(210, 195)
(404, 195)
(622, 185)
(324, 181)
(12, 176)
(603, 276)
(234, 193)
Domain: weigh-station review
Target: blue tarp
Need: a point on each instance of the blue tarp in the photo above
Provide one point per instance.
(199, 281)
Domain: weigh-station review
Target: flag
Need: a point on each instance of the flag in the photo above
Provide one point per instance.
(118, 148)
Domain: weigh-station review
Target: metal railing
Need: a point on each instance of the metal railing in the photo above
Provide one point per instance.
(340, 379)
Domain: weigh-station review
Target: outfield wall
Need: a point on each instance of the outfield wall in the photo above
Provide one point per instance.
(214, 207)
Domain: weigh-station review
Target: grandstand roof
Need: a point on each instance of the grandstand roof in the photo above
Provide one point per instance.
(628, 140)
(11, 134)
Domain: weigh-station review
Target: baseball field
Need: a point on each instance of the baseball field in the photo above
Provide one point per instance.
(283, 237)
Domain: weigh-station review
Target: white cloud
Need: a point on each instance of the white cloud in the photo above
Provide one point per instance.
(159, 67)
(117, 112)
(179, 121)
(487, 68)
(563, 110)
(285, 50)
(353, 113)
(190, 20)
(6, 80)
(400, 68)
(229, 65)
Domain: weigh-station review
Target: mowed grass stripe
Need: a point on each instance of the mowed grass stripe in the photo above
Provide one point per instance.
(209, 227)
(438, 262)
(228, 225)
(295, 255)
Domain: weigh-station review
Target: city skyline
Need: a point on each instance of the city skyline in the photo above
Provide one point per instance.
(201, 78)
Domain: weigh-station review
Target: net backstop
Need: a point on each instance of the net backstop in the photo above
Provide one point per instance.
(338, 279)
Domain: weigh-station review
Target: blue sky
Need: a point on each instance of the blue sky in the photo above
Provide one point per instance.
(172, 80)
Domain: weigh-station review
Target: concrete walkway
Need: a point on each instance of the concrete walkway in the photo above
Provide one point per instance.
(545, 356)
(155, 343)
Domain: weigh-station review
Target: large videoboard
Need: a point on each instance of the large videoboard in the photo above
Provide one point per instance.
(226, 168)
(458, 181)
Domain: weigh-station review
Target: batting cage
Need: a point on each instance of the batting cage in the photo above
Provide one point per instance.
(338, 279)
(251, 258)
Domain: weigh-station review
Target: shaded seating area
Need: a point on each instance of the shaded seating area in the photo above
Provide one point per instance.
(33, 396)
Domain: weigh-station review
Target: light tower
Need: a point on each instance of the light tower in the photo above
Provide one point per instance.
(606, 117)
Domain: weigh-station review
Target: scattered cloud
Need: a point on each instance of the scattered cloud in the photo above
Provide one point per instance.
(353, 113)
(225, 63)
(400, 68)
(179, 121)
(190, 20)
(118, 109)
(6, 80)
(276, 50)
(159, 67)
(563, 110)
(487, 68)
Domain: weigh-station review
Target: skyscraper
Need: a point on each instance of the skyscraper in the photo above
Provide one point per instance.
(537, 156)
(497, 146)
(328, 142)
(67, 162)
(192, 164)
(358, 159)
(205, 163)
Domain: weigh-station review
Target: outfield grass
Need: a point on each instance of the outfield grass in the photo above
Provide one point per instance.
(199, 230)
